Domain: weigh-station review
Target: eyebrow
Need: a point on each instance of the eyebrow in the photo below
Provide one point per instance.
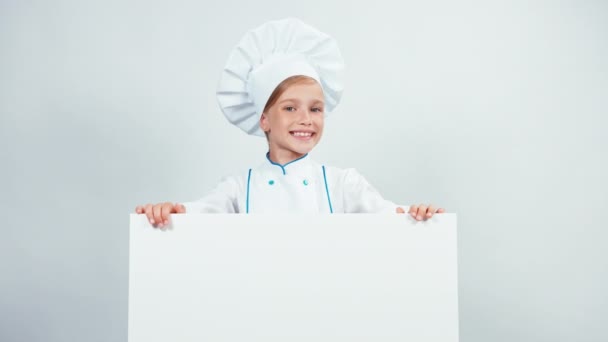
(298, 101)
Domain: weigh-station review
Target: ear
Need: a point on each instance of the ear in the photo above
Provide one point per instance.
(264, 124)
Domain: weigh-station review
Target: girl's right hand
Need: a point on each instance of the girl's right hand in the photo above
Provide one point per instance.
(158, 214)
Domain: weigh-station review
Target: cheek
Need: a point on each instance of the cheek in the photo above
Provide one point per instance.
(281, 121)
(320, 122)
(283, 126)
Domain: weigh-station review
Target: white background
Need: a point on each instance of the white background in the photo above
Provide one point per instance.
(493, 110)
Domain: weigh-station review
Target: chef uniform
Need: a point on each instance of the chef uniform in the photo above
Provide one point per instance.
(264, 58)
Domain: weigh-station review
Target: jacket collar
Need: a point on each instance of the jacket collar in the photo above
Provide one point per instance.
(298, 165)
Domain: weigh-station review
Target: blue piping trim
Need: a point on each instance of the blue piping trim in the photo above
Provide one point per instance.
(248, 181)
(283, 166)
(331, 210)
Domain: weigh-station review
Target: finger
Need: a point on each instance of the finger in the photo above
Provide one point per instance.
(413, 210)
(157, 213)
(180, 208)
(400, 210)
(149, 213)
(166, 210)
(139, 209)
(440, 211)
(430, 211)
(421, 212)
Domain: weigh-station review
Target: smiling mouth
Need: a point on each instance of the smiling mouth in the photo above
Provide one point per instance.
(302, 135)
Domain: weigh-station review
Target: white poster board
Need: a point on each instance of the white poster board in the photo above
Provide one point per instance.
(345, 277)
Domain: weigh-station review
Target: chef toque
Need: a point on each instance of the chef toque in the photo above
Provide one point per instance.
(265, 57)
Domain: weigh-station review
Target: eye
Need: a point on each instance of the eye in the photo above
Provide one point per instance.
(317, 109)
(290, 108)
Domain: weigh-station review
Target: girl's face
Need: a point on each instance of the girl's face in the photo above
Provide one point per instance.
(295, 122)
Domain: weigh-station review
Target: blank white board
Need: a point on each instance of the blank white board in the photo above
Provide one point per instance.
(348, 277)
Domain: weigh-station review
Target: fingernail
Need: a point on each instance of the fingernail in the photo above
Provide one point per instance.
(418, 217)
(429, 214)
(166, 221)
(151, 221)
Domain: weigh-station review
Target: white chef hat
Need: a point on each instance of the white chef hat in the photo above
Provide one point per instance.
(265, 57)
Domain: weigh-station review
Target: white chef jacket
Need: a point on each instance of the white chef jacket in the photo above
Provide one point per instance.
(300, 186)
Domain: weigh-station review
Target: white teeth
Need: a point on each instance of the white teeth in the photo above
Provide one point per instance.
(302, 134)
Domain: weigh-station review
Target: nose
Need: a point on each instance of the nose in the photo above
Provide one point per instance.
(306, 118)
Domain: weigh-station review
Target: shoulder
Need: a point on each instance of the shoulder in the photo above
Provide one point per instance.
(328, 169)
(237, 178)
(343, 175)
(344, 172)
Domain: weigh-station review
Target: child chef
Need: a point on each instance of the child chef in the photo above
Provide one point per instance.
(281, 81)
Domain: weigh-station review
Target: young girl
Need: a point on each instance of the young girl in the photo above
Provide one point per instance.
(281, 81)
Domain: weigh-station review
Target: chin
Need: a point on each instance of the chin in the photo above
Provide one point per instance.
(303, 149)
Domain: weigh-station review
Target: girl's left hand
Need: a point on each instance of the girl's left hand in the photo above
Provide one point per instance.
(422, 211)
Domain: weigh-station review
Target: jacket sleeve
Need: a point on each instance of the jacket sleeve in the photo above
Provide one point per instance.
(222, 199)
(361, 197)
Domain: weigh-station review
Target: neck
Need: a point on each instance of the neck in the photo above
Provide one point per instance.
(284, 156)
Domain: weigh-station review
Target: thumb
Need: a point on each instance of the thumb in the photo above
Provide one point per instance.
(400, 210)
(179, 208)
